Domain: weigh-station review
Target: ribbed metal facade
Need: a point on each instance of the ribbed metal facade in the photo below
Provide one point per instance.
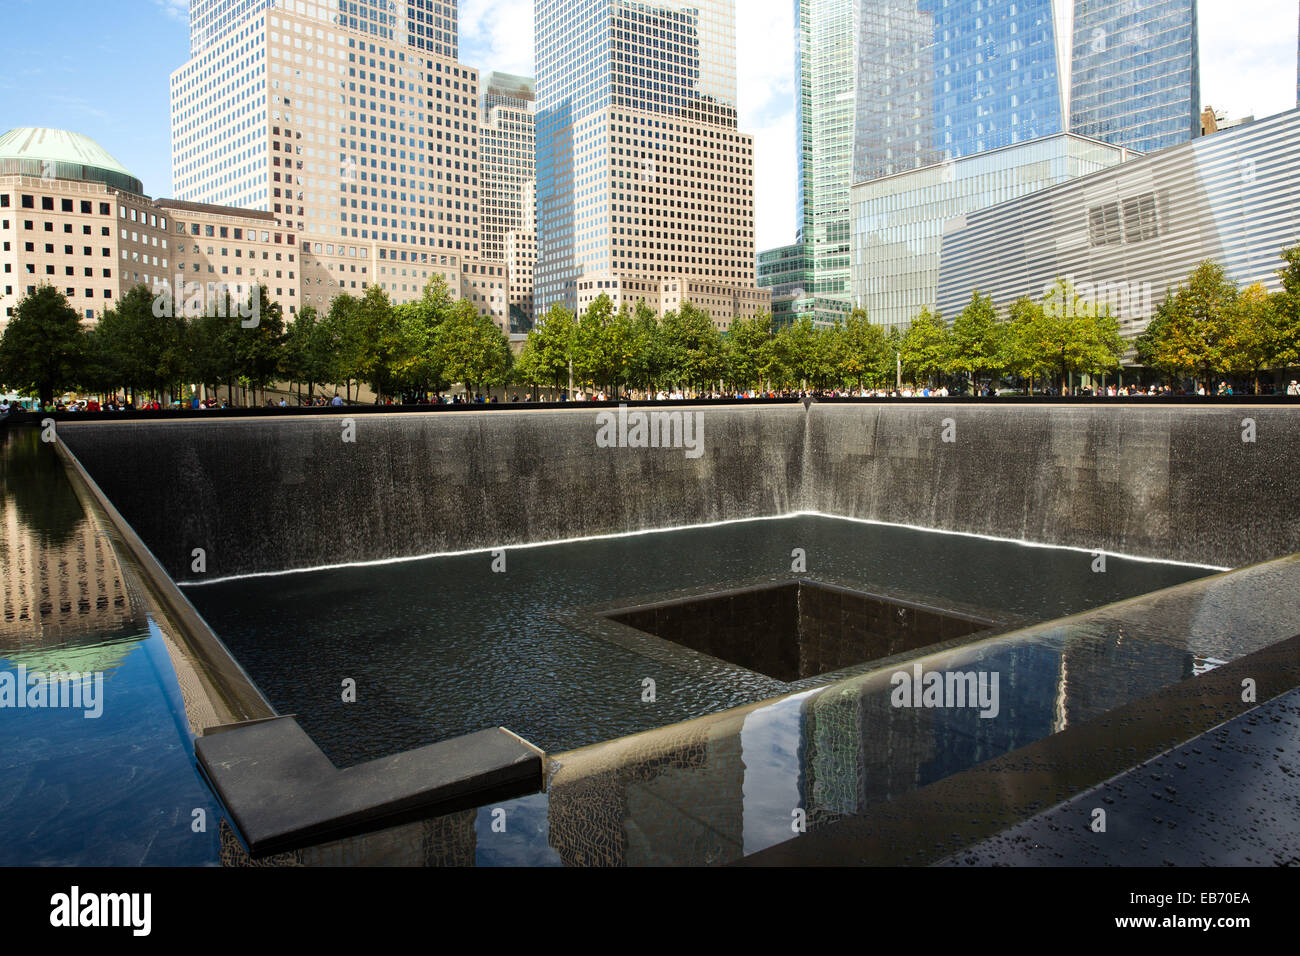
(899, 221)
(1125, 236)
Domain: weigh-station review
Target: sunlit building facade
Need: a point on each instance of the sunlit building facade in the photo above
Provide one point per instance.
(644, 182)
(899, 221)
(1125, 236)
(424, 24)
(359, 137)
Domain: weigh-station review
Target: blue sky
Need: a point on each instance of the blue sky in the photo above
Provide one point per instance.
(115, 91)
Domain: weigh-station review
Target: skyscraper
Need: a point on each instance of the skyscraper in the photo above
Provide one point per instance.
(888, 86)
(508, 186)
(645, 185)
(1134, 79)
(342, 122)
(428, 25)
(939, 81)
(827, 74)
(943, 80)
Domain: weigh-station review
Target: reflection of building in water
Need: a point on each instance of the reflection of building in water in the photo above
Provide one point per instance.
(680, 802)
(448, 840)
(59, 580)
(860, 750)
(73, 590)
(1098, 674)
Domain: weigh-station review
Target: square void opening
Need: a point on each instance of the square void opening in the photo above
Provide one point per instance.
(797, 630)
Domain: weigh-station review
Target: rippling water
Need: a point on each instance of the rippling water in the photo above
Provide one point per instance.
(444, 646)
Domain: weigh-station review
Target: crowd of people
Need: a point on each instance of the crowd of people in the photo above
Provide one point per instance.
(125, 404)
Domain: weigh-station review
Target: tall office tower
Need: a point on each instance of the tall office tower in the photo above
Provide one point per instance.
(507, 176)
(645, 186)
(507, 181)
(1134, 78)
(366, 149)
(428, 25)
(506, 147)
(941, 81)
(827, 66)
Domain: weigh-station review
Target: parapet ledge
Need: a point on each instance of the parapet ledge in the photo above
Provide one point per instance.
(283, 793)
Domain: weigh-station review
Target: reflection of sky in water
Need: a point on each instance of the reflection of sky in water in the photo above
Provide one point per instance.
(119, 789)
(770, 744)
(525, 839)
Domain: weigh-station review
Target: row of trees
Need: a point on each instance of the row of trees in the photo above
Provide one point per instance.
(1208, 327)
(1205, 328)
(142, 350)
(631, 349)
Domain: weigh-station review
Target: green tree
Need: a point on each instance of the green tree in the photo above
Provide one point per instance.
(1079, 337)
(144, 336)
(748, 349)
(1029, 346)
(926, 347)
(977, 335)
(795, 349)
(259, 346)
(1286, 310)
(340, 336)
(600, 346)
(548, 350)
(212, 351)
(418, 362)
(43, 345)
(302, 361)
(1251, 338)
(866, 355)
(829, 351)
(692, 347)
(476, 351)
(1190, 333)
(648, 357)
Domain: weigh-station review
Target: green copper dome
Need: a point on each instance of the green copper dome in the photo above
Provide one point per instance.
(59, 154)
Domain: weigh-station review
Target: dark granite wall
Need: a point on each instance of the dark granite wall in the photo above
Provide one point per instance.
(1163, 482)
(265, 495)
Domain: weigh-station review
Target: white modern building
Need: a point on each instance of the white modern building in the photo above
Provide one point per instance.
(899, 220)
(1127, 235)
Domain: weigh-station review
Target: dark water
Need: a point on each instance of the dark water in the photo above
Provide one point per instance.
(117, 789)
(445, 646)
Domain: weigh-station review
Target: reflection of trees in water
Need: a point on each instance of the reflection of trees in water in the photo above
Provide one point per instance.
(34, 485)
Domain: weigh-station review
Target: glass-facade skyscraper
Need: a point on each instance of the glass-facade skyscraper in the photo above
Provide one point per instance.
(943, 79)
(644, 183)
(826, 59)
(1134, 79)
(889, 86)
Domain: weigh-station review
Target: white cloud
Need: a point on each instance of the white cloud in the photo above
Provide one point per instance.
(765, 42)
(176, 9)
(497, 35)
(1248, 56)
